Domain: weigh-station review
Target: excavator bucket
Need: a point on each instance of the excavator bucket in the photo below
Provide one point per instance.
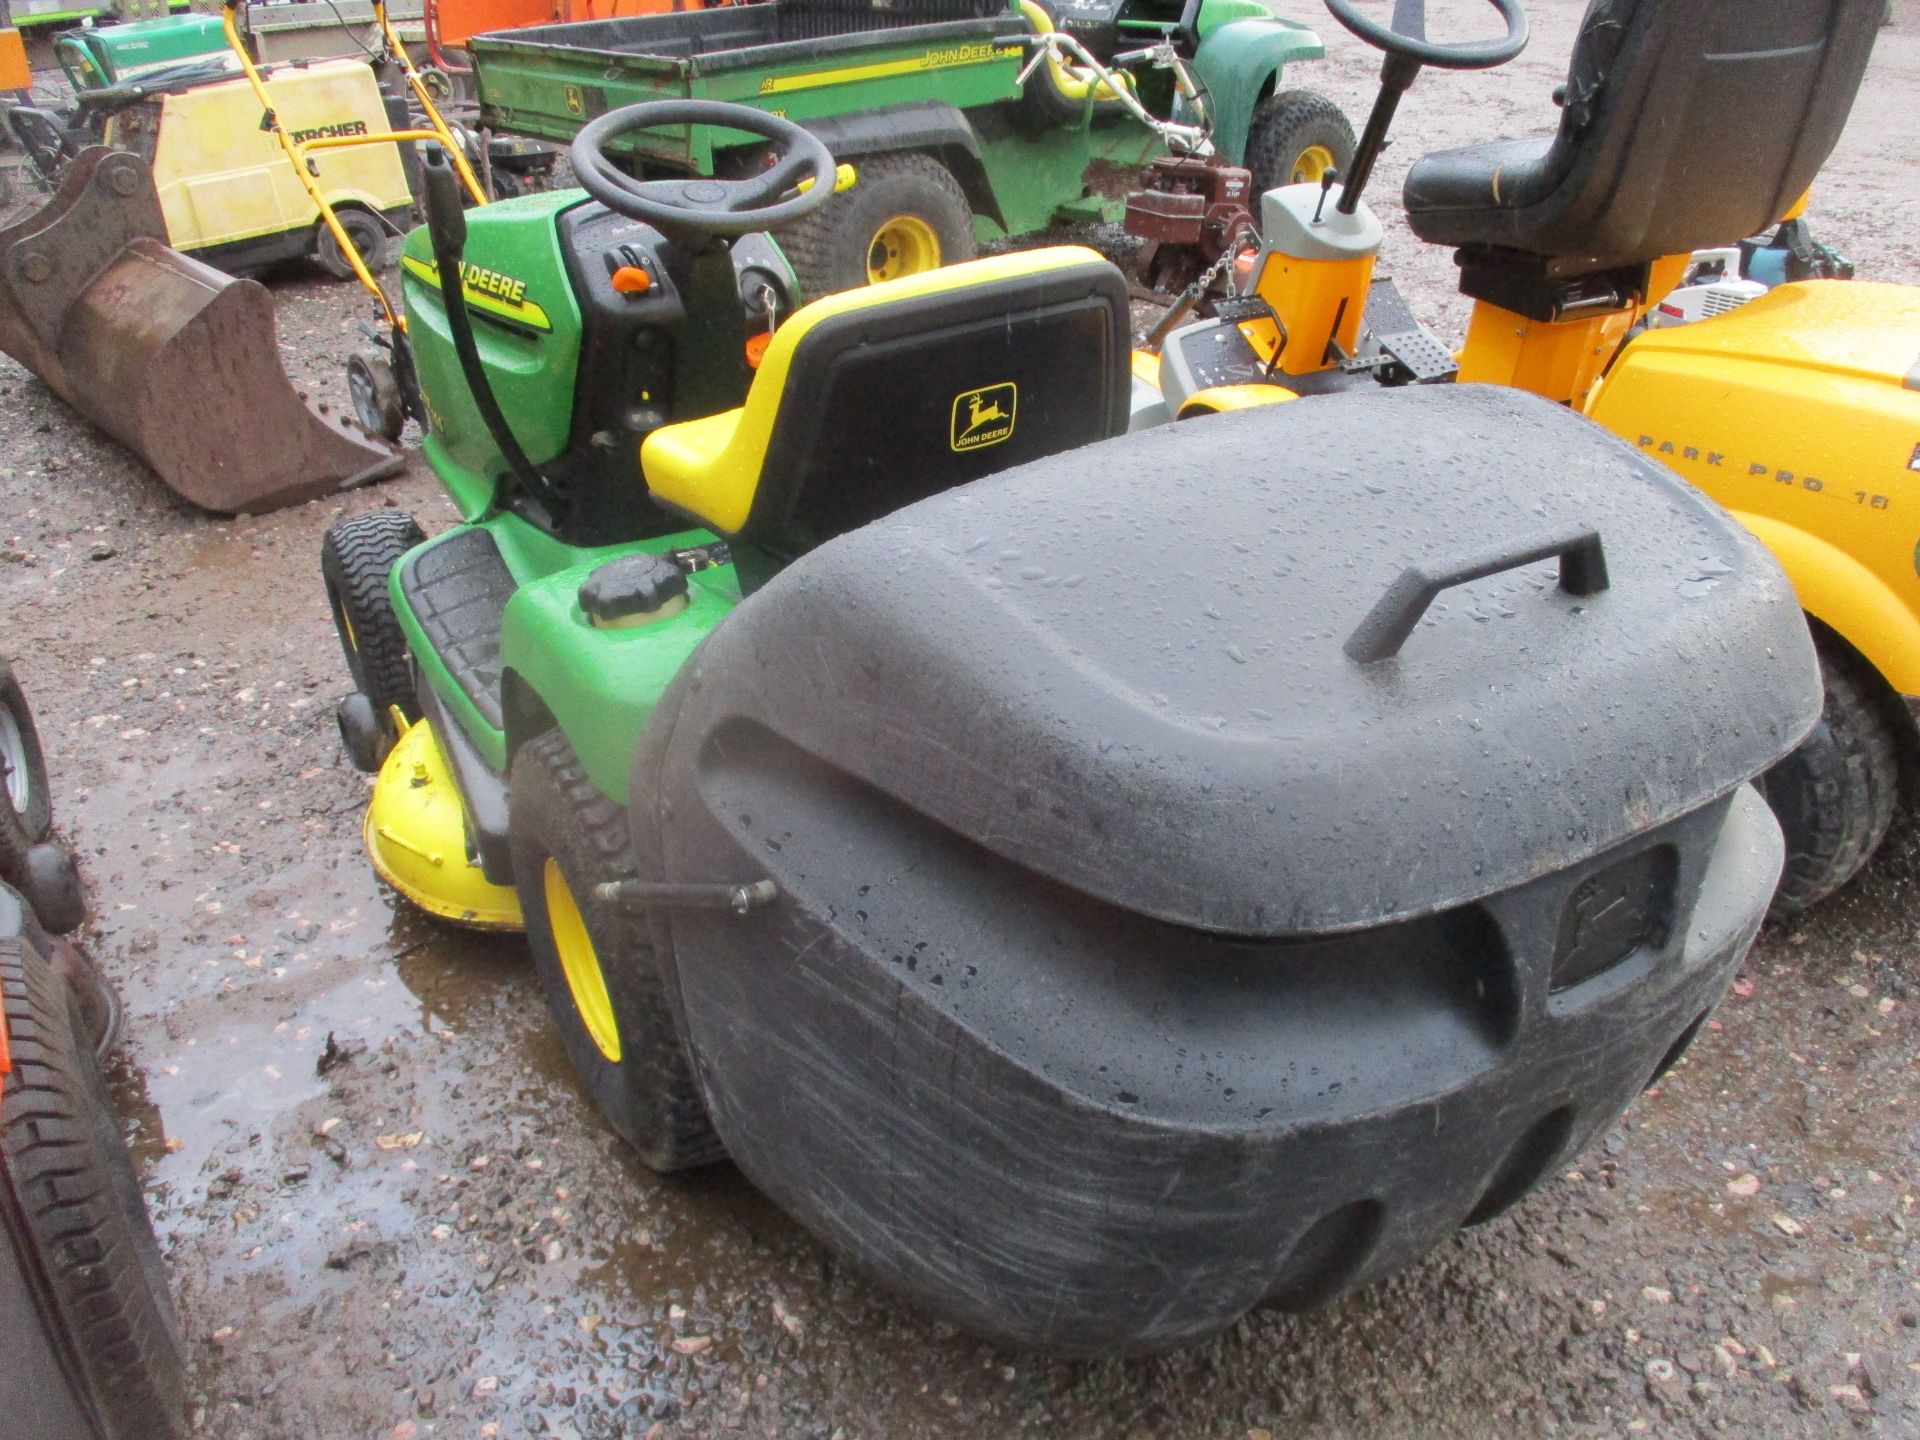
(175, 360)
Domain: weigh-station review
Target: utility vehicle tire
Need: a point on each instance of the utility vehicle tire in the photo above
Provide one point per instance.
(369, 237)
(26, 805)
(906, 214)
(1296, 136)
(356, 558)
(377, 402)
(595, 961)
(73, 1217)
(1834, 796)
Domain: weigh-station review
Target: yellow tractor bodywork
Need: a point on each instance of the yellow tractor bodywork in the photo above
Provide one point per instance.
(224, 182)
(1800, 412)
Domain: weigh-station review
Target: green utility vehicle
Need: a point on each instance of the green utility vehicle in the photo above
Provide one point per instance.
(967, 120)
(98, 57)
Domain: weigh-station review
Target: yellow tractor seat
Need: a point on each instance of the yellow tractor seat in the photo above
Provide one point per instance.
(871, 399)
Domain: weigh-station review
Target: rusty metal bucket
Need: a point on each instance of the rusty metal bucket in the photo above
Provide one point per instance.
(172, 358)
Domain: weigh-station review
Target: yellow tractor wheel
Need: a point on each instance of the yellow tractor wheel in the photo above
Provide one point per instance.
(595, 959)
(905, 214)
(903, 245)
(1295, 138)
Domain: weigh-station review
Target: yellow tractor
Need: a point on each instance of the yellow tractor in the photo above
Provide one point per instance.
(1799, 411)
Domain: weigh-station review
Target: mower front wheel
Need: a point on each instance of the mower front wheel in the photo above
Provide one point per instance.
(595, 961)
(905, 215)
(356, 558)
(366, 232)
(1295, 138)
(26, 808)
(1834, 796)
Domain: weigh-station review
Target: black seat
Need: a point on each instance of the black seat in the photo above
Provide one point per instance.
(1688, 123)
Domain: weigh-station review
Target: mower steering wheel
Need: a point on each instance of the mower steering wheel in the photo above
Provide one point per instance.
(1407, 37)
(702, 206)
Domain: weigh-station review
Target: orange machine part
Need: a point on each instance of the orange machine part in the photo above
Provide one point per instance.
(457, 21)
(15, 74)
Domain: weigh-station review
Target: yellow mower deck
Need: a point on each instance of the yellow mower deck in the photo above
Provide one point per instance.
(416, 837)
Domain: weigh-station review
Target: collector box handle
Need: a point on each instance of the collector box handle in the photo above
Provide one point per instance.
(1583, 571)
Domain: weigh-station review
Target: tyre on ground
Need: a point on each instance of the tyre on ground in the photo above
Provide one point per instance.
(904, 215)
(368, 234)
(356, 558)
(1834, 796)
(377, 402)
(76, 1228)
(1295, 138)
(26, 806)
(595, 960)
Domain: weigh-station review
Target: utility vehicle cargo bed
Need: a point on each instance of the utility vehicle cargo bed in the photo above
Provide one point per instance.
(799, 58)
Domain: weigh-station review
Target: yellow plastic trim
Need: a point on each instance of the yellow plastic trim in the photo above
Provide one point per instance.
(902, 245)
(1146, 366)
(710, 468)
(1221, 398)
(580, 962)
(1844, 594)
(1074, 82)
(1321, 303)
(416, 837)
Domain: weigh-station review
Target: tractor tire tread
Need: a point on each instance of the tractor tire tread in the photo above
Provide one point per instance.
(1835, 795)
(818, 246)
(70, 1199)
(356, 559)
(651, 1098)
(1286, 123)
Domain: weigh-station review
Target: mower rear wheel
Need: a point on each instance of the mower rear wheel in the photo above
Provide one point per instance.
(26, 806)
(369, 237)
(906, 214)
(356, 558)
(1834, 796)
(375, 389)
(1295, 138)
(72, 1214)
(596, 962)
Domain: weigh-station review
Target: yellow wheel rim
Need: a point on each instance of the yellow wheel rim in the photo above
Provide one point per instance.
(904, 245)
(1310, 166)
(580, 963)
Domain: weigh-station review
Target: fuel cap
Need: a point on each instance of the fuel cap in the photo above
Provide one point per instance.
(630, 586)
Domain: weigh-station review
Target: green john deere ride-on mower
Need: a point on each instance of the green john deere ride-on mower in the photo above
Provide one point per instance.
(1096, 881)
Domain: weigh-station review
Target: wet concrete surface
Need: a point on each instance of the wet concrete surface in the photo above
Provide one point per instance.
(389, 1211)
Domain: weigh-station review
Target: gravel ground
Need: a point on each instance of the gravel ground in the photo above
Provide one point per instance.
(389, 1211)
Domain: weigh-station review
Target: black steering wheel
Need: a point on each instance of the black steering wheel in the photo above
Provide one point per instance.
(701, 206)
(1407, 37)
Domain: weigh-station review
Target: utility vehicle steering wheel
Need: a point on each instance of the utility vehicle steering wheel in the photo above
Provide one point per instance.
(697, 205)
(1407, 37)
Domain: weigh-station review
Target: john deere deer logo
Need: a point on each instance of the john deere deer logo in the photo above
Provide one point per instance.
(984, 416)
